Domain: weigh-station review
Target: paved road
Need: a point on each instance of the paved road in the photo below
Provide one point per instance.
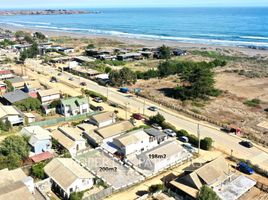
(222, 140)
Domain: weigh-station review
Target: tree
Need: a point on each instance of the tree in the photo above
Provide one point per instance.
(32, 52)
(39, 36)
(15, 144)
(164, 52)
(28, 104)
(8, 125)
(37, 170)
(124, 76)
(158, 119)
(10, 87)
(90, 46)
(206, 193)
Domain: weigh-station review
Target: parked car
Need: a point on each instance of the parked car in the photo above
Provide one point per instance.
(59, 74)
(157, 126)
(189, 148)
(170, 132)
(71, 79)
(98, 99)
(184, 139)
(124, 90)
(99, 108)
(53, 79)
(83, 83)
(153, 108)
(137, 116)
(243, 167)
(246, 143)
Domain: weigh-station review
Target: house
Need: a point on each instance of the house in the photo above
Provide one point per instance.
(29, 118)
(41, 157)
(83, 59)
(162, 156)
(14, 184)
(68, 176)
(10, 98)
(74, 106)
(3, 88)
(157, 135)
(5, 74)
(70, 138)
(40, 139)
(66, 50)
(114, 130)
(216, 174)
(130, 56)
(10, 113)
(133, 142)
(17, 82)
(48, 96)
(103, 119)
(179, 52)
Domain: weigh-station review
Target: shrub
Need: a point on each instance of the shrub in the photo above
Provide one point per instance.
(206, 143)
(76, 196)
(37, 170)
(167, 125)
(94, 94)
(206, 193)
(28, 104)
(253, 103)
(156, 188)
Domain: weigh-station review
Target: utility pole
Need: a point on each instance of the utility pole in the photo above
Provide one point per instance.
(198, 133)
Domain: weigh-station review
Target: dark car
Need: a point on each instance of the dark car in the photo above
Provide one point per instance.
(83, 83)
(98, 100)
(53, 79)
(153, 108)
(99, 108)
(243, 167)
(246, 143)
(71, 79)
(137, 116)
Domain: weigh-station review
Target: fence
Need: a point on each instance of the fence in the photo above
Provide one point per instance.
(100, 195)
(52, 122)
(262, 187)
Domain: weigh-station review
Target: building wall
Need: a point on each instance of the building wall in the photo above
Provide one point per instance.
(42, 146)
(80, 185)
(50, 98)
(15, 119)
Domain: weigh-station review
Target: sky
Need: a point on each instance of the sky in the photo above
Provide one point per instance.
(129, 3)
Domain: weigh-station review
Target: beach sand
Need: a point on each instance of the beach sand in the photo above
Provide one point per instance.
(143, 42)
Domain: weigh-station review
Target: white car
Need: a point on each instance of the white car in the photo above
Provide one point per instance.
(156, 126)
(189, 148)
(170, 132)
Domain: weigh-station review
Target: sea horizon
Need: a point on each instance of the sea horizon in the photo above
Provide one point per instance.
(224, 26)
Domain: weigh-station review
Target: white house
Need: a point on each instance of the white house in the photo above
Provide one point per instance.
(134, 142)
(103, 119)
(74, 106)
(70, 138)
(163, 156)
(5, 74)
(68, 176)
(29, 117)
(40, 139)
(48, 96)
(11, 114)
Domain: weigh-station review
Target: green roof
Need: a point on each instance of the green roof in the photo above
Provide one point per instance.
(74, 102)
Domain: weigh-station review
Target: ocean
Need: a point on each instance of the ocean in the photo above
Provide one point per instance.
(220, 26)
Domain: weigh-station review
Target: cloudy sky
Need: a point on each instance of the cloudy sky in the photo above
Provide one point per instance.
(127, 3)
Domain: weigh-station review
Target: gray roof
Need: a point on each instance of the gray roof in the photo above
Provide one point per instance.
(154, 132)
(16, 79)
(15, 96)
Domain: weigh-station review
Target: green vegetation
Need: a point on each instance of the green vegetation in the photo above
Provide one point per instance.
(122, 77)
(5, 126)
(13, 150)
(76, 196)
(39, 36)
(206, 143)
(28, 104)
(10, 87)
(37, 170)
(253, 103)
(32, 52)
(164, 52)
(156, 188)
(6, 43)
(90, 46)
(93, 94)
(206, 193)
(158, 119)
(151, 73)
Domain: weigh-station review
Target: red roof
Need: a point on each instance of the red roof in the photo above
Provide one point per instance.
(33, 94)
(3, 72)
(42, 156)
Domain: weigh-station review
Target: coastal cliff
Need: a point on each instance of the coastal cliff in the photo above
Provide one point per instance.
(46, 12)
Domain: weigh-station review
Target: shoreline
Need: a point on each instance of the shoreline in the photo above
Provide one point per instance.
(140, 41)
